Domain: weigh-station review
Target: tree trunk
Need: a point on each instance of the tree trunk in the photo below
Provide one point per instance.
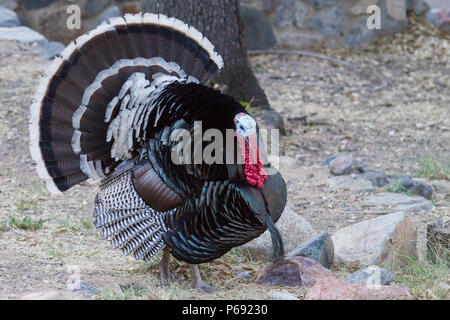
(220, 22)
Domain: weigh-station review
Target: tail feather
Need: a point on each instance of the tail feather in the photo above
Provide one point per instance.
(71, 116)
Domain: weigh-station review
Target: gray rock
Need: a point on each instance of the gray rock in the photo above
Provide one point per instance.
(385, 240)
(373, 275)
(359, 35)
(400, 202)
(51, 49)
(282, 296)
(93, 8)
(290, 13)
(21, 34)
(9, 4)
(258, 30)
(416, 187)
(419, 7)
(441, 186)
(8, 18)
(111, 12)
(330, 22)
(376, 177)
(320, 249)
(86, 289)
(392, 22)
(294, 230)
(320, 4)
(36, 4)
(341, 165)
(243, 274)
(352, 182)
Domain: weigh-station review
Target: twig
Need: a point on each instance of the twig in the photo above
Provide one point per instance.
(383, 85)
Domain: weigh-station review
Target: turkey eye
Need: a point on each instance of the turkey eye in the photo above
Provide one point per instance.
(241, 127)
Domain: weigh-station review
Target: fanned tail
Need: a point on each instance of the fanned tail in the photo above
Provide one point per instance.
(85, 88)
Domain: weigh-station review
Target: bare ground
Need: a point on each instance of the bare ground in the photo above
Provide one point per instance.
(389, 129)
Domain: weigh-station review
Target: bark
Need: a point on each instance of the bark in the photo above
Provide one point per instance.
(220, 22)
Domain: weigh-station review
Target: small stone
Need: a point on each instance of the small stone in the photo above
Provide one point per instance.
(282, 296)
(332, 288)
(95, 7)
(51, 49)
(373, 275)
(243, 275)
(292, 272)
(8, 18)
(400, 202)
(416, 187)
(111, 12)
(21, 34)
(258, 30)
(341, 165)
(320, 249)
(330, 22)
(43, 295)
(383, 240)
(294, 231)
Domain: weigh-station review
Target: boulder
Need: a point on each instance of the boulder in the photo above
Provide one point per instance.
(111, 12)
(258, 30)
(293, 229)
(319, 248)
(8, 18)
(341, 165)
(290, 13)
(21, 34)
(355, 183)
(332, 288)
(330, 22)
(416, 187)
(400, 202)
(372, 275)
(293, 272)
(384, 240)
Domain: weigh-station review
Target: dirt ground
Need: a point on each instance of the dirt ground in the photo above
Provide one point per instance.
(388, 128)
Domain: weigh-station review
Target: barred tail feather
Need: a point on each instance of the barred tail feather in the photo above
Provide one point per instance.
(74, 103)
(126, 220)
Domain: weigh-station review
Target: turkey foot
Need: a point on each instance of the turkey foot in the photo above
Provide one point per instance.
(198, 282)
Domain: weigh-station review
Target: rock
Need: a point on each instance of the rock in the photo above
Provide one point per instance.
(93, 8)
(86, 289)
(43, 295)
(359, 35)
(355, 183)
(320, 249)
(331, 288)
(330, 22)
(320, 4)
(36, 4)
(293, 272)
(400, 202)
(440, 18)
(290, 13)
(438, 241)
(441, 186)
(9, 4)
(270, 119)
(373, 275)
(8, 18)
(416, 187)
(360, 8)
(111, 12)
(396, 9)
(419, 7)
(293, 229)
(341, 165)
(51, 49)
(242, 274)
(21, 34)
(258, 30)
(376, 177)
(282, 296)
(383, 240)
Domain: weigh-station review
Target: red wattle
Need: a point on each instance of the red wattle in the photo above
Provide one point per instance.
(254, 172)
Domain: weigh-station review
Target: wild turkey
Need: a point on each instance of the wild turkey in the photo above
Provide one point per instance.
(107, 109)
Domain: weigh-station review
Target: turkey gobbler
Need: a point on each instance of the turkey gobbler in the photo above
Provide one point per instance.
(108, 109)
